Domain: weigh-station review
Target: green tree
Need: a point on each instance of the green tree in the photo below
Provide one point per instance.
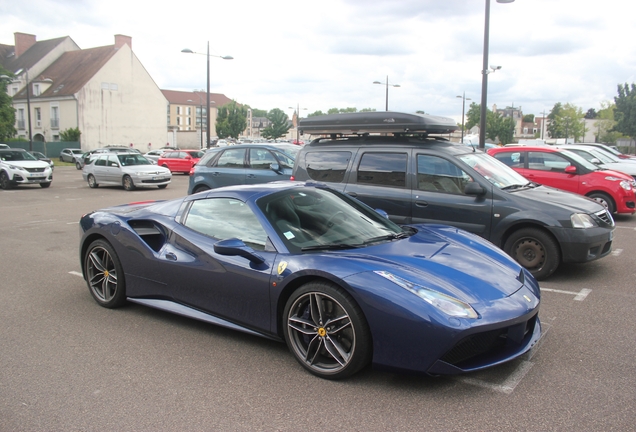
(231, 120)
(605, 123)
(473, 115)
(279, 124)
(7, 112)
(625, 113)
(72, 135)
(259, 112)
(316, 113)
(566, 121)
(528, 118)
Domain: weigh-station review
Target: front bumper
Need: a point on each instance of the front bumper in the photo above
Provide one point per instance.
(583, 245)
(32, 178)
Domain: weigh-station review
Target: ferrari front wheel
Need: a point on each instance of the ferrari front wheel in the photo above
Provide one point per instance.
(104, 275)
(326, 331)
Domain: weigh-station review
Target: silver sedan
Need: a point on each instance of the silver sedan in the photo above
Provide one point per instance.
(130, 170)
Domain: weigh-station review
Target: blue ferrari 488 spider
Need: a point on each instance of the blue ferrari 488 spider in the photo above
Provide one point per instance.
(342, 285)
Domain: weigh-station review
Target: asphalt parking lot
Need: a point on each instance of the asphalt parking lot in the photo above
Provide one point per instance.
(68, 364)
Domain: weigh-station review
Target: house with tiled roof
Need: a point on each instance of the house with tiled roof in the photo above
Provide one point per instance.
(187, 116)
(105, 92)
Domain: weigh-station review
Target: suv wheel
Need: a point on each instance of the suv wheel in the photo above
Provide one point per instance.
(5, 183)
(535, 250)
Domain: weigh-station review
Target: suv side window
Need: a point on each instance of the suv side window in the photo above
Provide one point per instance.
(383, 169)
(231, 158)
(437, 174)
(327, 166)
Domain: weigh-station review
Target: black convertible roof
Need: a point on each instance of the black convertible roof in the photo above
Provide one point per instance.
(360, 123)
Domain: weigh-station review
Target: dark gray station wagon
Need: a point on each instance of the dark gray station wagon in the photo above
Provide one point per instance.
(417, 178)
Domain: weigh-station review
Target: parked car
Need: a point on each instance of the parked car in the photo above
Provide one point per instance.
(70, 155)
(154, 155)
(42, 157)
(240, 164)
(19, 167)
(563, 169)
(343, 286)
(130, 170)
(416, 178)
(4, 146)
(609, 149)
(603, 159)
(180, 161)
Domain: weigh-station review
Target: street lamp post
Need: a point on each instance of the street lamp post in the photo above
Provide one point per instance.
(189, 51)
(464, 99)
(484, 79)
(387, 90)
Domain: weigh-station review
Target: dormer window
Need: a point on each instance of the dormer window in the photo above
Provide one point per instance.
(36, 89)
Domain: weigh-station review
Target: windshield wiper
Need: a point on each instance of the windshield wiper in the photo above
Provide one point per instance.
(392, 236)
(333, 246)
(518, 186)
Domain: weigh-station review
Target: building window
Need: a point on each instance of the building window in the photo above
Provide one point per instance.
(21, 118)
(178, 111)
(56, 137)
(36, 89)
(38, 117)
(189, 112)
(14, 91)
(105, 86)
(189, 121)
(178, 121)
(55, 117)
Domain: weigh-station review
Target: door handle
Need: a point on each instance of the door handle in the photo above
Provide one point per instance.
(251, 176)
(421, 203)
(352, 194)
(171, 256)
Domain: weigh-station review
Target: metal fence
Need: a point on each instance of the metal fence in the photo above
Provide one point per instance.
(50, 149)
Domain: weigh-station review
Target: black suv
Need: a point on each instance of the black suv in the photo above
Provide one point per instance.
(417, 178)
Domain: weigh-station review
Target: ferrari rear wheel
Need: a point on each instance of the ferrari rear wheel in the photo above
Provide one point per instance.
(104, 275)
(326, 331)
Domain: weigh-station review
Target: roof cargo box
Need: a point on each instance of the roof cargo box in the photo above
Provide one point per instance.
(376, 122)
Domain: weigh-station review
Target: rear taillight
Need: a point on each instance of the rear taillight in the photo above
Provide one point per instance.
(292, 178)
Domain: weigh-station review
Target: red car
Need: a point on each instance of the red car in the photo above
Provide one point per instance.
(565, 170)
(180, 160)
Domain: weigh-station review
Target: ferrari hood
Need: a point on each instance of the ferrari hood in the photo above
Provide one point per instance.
(447, 260)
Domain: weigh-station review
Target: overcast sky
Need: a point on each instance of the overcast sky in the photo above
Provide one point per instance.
(324, 54)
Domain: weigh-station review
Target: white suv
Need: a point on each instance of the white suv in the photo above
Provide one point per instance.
(18, 166)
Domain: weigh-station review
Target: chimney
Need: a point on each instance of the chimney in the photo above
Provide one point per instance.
(23, 42)
(121, 40)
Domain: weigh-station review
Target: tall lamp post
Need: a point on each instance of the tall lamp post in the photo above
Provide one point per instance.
(189, 51)
(387, 90)
(484, 79)
(464, 99)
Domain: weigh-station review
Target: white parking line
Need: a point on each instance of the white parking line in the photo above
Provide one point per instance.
(75, 273)
(617, 252)
(508, 386)
(578, 296)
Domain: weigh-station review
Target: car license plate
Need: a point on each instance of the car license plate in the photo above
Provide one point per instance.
(158, 178)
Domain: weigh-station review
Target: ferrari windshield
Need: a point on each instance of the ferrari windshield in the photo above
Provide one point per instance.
(322, 219)
(497, 173)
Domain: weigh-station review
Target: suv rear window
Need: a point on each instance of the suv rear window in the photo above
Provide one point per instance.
(327, 166)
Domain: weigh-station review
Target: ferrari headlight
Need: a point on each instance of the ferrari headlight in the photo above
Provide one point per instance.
(447, 304)
(582, 220)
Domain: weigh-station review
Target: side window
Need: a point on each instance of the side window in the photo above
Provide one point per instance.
(327, 166)
(231, 158)
(261, 158)
(168, 155)
(512, 159)
(112, 161)
(545, 161)
(437, 174)
(100, 161)
(383, 169)
(284, 160)
(183, 155)
(225, 218)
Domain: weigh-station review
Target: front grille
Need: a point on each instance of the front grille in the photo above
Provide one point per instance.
(488, 342)
(154, 181)
(35, 170)
(605, 217)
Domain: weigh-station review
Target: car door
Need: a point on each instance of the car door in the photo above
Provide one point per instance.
(438, 196)
(228, 169)
(231, 287)
(260, 161)
(548, 168)
(378, 179)
(99, 169)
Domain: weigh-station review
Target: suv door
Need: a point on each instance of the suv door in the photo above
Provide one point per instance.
(228, 169)
(259, 171)
(438, 196)
(378, 178)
